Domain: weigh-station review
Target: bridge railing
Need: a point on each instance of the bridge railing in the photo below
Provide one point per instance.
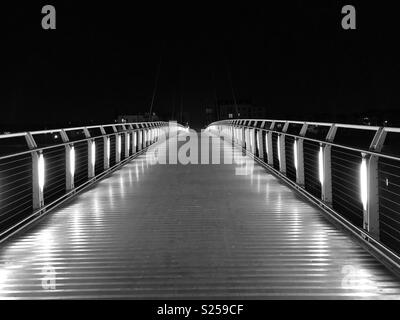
(352, 171)
(41, 169)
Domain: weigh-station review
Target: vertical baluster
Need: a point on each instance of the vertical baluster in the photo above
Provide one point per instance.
(300, 156)
(326, 169)
(371, 212)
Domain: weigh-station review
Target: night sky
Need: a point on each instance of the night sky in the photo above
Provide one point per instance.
(101, 61)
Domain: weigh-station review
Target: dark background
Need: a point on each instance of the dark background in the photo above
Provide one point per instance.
(293, 58)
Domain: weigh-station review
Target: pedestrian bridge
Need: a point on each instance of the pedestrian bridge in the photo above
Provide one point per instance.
(304, 210)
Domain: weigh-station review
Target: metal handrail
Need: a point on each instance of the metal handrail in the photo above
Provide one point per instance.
(33, 133)
(257, 140)
(325, 142)
(131, 141)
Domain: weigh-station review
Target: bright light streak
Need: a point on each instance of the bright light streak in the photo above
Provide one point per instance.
(266, 143)
(321, 165)
(258, 143)
(41, 165)
(279, 148)
(119, 144)
(129, 142)
(364, 183)
(295, 153)
(93, 153)
(72, 161)
(108, 148)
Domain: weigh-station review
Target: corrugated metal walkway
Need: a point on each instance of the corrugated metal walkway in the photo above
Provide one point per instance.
(194, 231)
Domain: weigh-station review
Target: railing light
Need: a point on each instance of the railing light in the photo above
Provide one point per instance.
(295, 153)
(119, 144)
(129, 142)
(108, 148)
(321, 165)
(72, 161)
(279, 148)
(41, 172)
(266, 143)
(258, 143)
(93, 153)
(364, 183)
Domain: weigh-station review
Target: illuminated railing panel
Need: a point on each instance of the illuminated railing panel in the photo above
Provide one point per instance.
(40, 169)
(340, 166)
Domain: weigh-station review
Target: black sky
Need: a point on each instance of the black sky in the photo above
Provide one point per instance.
(101, 61)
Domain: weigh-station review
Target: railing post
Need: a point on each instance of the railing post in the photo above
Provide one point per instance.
(140, 139)
(253, 133)
(249, 143)
(269, 144)
(235, 134)
(371, 212)
(260, 142)
(134, 141)
(38, 179)
(243, 136)
(106, 147)
(37, 173)
(127, 144)
(300, 156)
(118, 145)
(326, 185)
(282, 149)
(69, 165)
(91, 154)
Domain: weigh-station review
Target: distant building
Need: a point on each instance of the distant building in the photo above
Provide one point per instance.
(127, 118)
(229, 110)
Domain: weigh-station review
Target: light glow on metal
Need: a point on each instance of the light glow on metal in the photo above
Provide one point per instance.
(41, 168)
(279, 148)
(258, 143)
(72, 161)
(295, 153)
(364, 183)
(93, 146)
(321, 165)
(119, 144)
(108, 148)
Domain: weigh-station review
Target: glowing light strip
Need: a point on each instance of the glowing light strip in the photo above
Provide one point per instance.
(119, 144)
(279, 148)
(295, 153)
(41, 177)
(72, 161)
(321, 165)
(108, 148)
(258, 143)
(93, 153)
(364, 183)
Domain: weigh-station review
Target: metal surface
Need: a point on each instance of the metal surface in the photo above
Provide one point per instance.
(342, 173)
(61, 165)
(189, 231)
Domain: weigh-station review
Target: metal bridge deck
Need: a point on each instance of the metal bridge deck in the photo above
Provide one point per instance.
(194, 231)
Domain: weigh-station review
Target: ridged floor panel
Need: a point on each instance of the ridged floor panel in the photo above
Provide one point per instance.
(154, 231)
